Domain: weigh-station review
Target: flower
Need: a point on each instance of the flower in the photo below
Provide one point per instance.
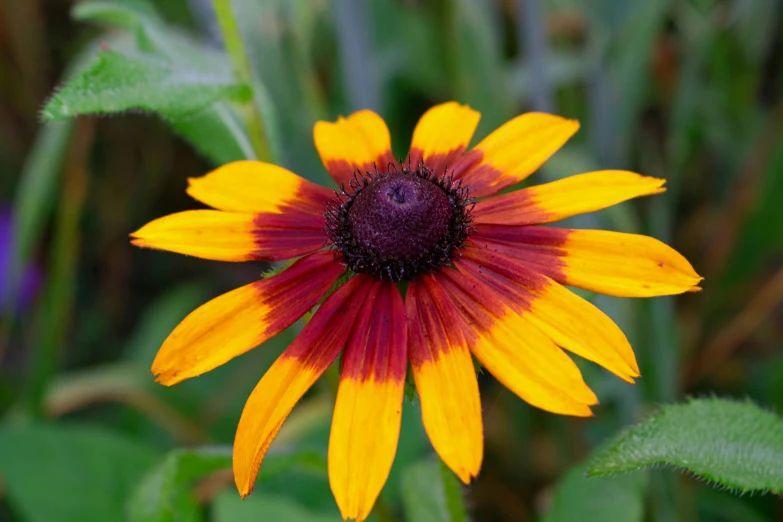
(483, 278)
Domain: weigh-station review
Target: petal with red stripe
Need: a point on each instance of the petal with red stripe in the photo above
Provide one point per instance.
(255, 187)
(231, 236)
(565, 198)
(442, 136)
(367, 413)
(611, 263)
(445, 378)
(567, 319)
(291, 375)
(240, 320)
(514, 350)
(513, 152)
(359, 142)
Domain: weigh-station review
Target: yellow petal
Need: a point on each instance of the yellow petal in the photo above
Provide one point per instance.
(363, 442)
(625, 265)
(209, 234)
(445, 379)
(240, 320)
(513, 152)
(268, 406)
(255, 187)
(442, 135)
(359, 142)
(565, 198)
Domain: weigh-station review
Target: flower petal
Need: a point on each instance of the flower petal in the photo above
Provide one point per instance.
(513, 152)
(256, 187)
(367, 414)
(515, 351)
(359, 142)
(442, 135)
(237, 321)
(611, 263)
(209, 234)
(291, 376)
(567, 319)
(566, 197)
(230, 236)
(445, 378)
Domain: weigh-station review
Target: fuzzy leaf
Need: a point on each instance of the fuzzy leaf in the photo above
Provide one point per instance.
(735, 444)
(116, 82)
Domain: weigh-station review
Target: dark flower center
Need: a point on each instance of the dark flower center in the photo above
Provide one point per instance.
(399, 224)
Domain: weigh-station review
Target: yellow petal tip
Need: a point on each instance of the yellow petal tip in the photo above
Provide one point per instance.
(244, 490)
(165, 379)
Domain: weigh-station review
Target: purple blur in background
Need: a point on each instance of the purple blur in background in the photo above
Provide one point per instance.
(31, 277)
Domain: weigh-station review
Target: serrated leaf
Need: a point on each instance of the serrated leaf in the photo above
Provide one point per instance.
(70, 473)
(215, 131)
(116, 82)
(431, 493)
(608, 499)
(735, 444)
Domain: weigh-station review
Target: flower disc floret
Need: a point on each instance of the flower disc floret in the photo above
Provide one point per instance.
(399, 224)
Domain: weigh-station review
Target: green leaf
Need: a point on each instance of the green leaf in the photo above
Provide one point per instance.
(164, 495)
(228, 507)
(608, 499)
(431, 493)
(735, 444)
(128, 15)
(277, 463)
(70, 473)
(216, 132)
(116, 82)
(154, 37)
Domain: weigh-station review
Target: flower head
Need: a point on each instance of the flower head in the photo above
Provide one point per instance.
(485, 280)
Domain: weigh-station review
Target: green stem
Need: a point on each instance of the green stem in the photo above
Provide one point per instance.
(235, 49)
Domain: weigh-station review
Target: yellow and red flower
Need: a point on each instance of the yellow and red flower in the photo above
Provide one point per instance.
(484, 280)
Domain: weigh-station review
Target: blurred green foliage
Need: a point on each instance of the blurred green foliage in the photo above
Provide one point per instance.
(686, 90)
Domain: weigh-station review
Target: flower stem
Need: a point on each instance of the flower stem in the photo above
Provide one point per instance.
(236, 50)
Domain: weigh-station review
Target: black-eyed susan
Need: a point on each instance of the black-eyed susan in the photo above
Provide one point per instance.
(485, 279)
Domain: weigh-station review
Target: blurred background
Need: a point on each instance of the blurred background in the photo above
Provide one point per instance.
(687, 90)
